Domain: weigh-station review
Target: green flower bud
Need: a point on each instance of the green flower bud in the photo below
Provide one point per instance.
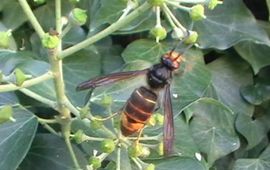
(159, 32)
(20, 76)
(39, 1)
(161, 149)
(192, 38)
(96, 124)
(6, 114)
(135, 150)
(5, 39)
(79, 136)
(150, 167)
(145, 152)
(212, 4)
(95, 162)
(156, 2)
(78, 16)
(106, 101)
(151, 121)
(86, 122)
(159, 118)
(107, 146)
(197, 12)
(50, 41)
(84, 112)
(178, 33)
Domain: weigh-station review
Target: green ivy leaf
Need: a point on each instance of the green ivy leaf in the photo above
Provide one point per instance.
(268, 5)
(125, 161)
(184, 143)
(225, 19)
(38, 49)
(254, 54)
(24, 60)
(259, 92)
(3, 4)
(109, 11)
(111, 59)
(80, 67)
(10, 20)
(261, 163)
(229, 74)
(253, 130)
(8, 98)
(256, 94)
(50, 152)
(143, 23)
(46, 16)
(144, 49)
(37, 68)
(181, 163)
(16, 138)
(212, 128)
(190, 82)
(75, 35)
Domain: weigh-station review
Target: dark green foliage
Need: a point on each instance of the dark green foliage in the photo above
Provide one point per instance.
(221, 99)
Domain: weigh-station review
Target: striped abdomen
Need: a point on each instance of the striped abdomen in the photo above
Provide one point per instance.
(138, 110)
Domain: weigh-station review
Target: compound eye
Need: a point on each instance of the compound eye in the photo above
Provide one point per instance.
(168, 62)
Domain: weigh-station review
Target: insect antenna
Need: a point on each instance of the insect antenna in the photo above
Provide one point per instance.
(180, 42)
(186, 49)
(182, 53)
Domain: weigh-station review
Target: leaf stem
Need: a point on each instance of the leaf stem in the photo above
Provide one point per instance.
(137, 163)
(158, 20)
(118, 158)
(187, 9)
(39, 98)
(57, 69)
(90, 138)
(103, 119)
(170, 20)
(146, 138)
(58, 16)
(27, 83)
(72, 108)
(33, 20)
(115, 26)
(189, 1)
(50, 129)
(56, 66)
(169, 12)
(66, 29)
(71, 151)
(49, 121)
(112, 135)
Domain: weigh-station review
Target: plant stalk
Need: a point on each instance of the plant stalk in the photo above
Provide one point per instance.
(66, 134)
(33, 20)
(39, 98)
(27, 83)
(118, 159)
(57, 68)
(115, 26)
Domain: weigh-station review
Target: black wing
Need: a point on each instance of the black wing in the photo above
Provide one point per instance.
(168, 131)
(110, 78)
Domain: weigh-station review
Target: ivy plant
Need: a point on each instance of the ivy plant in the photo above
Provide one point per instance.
(220, 95)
